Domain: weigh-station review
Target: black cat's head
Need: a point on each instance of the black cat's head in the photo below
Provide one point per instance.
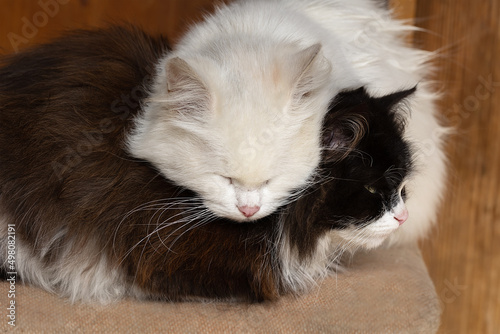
(366, 163)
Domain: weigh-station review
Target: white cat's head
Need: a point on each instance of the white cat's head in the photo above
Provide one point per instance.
(240, 128)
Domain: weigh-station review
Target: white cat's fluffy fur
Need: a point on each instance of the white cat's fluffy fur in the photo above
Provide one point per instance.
(247, 66)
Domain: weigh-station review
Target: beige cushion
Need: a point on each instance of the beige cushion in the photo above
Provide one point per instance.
(384, 291)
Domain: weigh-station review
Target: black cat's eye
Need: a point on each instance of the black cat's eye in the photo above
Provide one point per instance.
(371, 189)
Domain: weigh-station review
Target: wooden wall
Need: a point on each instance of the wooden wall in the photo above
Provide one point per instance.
(463, 255)
(24, 22)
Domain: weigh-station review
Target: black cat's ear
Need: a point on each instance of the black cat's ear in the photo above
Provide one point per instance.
(346, 122)
(391, 105)
(350, 115)
(388, 102)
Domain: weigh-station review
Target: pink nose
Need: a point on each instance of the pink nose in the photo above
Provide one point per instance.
(248, 211)
(402, 216)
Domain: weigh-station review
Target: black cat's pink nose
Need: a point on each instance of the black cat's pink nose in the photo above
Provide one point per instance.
(401, 216)
(248, 211)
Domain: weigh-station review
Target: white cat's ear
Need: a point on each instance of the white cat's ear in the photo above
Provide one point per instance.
(308, 71)
(184, 86)
(180, 75)
(302, 61)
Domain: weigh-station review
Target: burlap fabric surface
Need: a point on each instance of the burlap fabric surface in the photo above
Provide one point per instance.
(385, 291)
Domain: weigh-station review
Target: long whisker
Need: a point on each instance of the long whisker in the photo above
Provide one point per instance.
(183, 221)
(159, 206)
(146, 238)
(207, 219)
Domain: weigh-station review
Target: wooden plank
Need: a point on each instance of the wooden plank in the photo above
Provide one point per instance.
(25, 22)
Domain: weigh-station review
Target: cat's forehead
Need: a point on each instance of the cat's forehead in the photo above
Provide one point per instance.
(251, 94)
(256, 115)
(250, 72)
(258, 144)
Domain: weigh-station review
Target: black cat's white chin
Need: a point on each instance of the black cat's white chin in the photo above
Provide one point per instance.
(377, 231)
